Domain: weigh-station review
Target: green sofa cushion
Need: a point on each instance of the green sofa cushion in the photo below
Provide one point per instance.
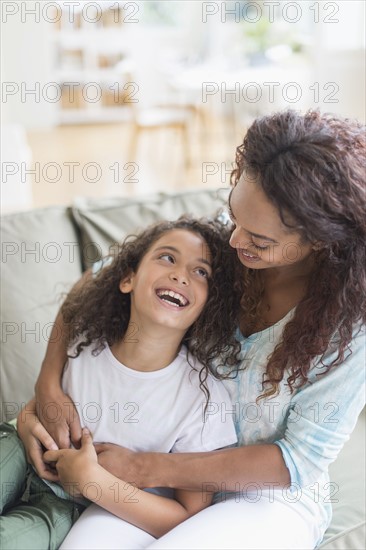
(40, 262)
(347, 529)
(104, 222)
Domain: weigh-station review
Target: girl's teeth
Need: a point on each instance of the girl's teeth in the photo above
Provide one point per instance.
(181, 299)
(170, 303)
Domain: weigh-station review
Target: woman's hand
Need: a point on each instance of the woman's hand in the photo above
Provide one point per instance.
(35, 439)
(58, 415)
(75, 466)
(128, 465)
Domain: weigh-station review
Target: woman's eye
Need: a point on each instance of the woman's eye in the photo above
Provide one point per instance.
(167, 257)
(260, 247)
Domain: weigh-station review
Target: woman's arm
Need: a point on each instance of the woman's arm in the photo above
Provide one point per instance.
(35, 439)
(56, 410)
(225, 470)
(321, 417)
(80, 473)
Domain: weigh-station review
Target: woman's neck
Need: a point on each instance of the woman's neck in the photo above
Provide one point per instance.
(291, 275)
(283, 289)
(146, 352)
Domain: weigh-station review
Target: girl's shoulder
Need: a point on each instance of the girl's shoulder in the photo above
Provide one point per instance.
(72, 350)
(215, 386)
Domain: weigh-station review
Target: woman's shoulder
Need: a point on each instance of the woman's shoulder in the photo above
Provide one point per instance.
(351, 367)
(356, 344)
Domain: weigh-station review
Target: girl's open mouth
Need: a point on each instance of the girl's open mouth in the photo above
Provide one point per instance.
(172, 298)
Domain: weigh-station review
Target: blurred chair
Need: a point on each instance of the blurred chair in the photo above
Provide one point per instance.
(167, 114)
(157, 118)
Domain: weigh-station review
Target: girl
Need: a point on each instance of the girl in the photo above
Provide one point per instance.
(137, 336)
(298, 205)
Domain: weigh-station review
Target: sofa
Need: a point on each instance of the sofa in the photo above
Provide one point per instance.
(45, 251)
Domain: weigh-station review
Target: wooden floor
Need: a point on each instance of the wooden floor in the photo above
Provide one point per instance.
(93, 160)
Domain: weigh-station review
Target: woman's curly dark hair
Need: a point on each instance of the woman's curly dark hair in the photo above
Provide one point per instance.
(98, 312)
(312, 168)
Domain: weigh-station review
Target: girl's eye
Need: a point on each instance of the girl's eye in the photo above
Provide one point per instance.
(167, 257)
(202, 272)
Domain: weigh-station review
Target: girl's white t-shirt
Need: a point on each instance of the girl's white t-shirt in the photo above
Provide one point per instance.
(162, 410)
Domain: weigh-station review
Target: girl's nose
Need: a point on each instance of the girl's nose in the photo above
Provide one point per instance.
(179, 277)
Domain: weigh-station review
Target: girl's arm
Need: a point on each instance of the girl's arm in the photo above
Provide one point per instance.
(55, 409)
(80, 473)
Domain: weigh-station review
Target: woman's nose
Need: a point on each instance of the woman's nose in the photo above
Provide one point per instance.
(236, 238)
(239, 239)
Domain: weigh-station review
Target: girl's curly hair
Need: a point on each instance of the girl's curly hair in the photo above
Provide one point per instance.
(98, 312)
(312, 167)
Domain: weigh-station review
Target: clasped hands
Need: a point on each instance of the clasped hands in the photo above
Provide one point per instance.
(48, 450)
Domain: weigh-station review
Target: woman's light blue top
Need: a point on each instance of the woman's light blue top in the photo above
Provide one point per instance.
(311, 425)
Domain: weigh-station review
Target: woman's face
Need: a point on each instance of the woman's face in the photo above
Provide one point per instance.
(260, 238)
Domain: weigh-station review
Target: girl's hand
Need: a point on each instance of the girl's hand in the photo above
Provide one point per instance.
(75, 466)
(35, 439)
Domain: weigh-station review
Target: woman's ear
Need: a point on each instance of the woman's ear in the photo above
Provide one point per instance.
(126, 285)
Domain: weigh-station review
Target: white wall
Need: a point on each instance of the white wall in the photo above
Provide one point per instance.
(26, 64)
(336, 51)
(339, 57)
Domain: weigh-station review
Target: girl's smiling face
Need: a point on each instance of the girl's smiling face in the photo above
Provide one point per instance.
(260, 237)
(170, 286)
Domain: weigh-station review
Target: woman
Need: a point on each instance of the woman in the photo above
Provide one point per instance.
(298, 205)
